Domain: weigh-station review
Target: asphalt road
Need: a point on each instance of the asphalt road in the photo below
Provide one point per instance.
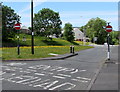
(75, 73)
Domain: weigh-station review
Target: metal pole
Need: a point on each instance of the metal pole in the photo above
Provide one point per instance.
(70, 49)
(32, 27)
(108, 47)
(73, 49)
(18, 44)
(108, 55)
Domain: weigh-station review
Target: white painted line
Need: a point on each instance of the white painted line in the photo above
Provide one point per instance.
(25, 71)
(47, 72)
(51, 84)
(32, 82)
(59, 77)
(65, 70)
(84, 78)
(55, 68)
(1, 73)
(64, 75)
(83, 70)
(79, 80)
(76, 70)
(40, 74)
(26, 80)
(13, 74)
(2, 79)
(67, 83)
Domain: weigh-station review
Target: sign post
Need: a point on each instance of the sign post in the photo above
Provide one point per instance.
(108, 29)
(17, 27)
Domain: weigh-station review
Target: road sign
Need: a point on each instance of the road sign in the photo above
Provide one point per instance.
(17, 26)
(109, 28)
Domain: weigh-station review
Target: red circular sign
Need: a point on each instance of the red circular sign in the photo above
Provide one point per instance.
(17, 26)
(109, 28)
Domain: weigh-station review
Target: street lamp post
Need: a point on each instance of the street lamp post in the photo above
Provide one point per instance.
(32, 38)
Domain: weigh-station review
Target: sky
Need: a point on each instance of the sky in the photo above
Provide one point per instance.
(78, 13)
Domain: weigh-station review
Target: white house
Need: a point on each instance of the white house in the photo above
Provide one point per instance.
(25, 29)
(79, 35)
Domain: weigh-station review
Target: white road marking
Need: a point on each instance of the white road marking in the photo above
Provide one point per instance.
(55, 68)
(40, 74)
(67, 83)
(79, 80)
(59, 77)
(84, 78)
(64, 75)
(1, 73)
(47, 73)
(76, 70)
(25, 71)
(32, 82)
(43, 67)
(45, 70)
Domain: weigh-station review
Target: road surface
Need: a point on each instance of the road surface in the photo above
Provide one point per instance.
(75, 73)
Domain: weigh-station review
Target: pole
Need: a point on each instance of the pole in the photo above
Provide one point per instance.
(108, 56)
(18, 44)
(32, 27)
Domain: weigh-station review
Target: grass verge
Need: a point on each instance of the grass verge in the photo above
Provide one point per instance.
(10, 53)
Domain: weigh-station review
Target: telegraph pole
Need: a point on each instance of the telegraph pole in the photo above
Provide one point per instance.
(32, 38)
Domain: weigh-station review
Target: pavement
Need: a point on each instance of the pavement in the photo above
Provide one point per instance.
(107, 78)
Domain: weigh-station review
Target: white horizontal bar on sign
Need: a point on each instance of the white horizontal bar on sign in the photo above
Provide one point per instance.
(17, 26)
(108, 28)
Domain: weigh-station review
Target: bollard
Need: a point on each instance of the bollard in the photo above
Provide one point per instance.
(70, 49)
(73, 49)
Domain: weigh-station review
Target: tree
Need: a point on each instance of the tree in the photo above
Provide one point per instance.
(47, 22)
(95, 28)
(114, 37)
(9, 18)
(68, 34)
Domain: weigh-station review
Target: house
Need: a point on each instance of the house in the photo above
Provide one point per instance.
(25, 29)
(79, 35)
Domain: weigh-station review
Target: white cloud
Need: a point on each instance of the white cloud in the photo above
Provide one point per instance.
(28, 7)
(25, 15)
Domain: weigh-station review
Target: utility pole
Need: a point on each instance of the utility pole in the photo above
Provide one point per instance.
(32, 38)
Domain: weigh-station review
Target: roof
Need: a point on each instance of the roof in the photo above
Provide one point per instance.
(24, 27)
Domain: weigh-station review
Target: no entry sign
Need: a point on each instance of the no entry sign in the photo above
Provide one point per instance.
(109, 28)
(17, 26)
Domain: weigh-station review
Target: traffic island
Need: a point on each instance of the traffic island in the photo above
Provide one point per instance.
(59, 57)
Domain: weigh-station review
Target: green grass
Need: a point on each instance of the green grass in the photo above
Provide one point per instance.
(56, 46)
(40, 52)
(40, 41)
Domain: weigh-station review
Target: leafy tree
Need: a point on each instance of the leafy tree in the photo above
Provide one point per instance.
(47, 22)
(114, 37)
(9, 18)
(95, 28)
(68, 34)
